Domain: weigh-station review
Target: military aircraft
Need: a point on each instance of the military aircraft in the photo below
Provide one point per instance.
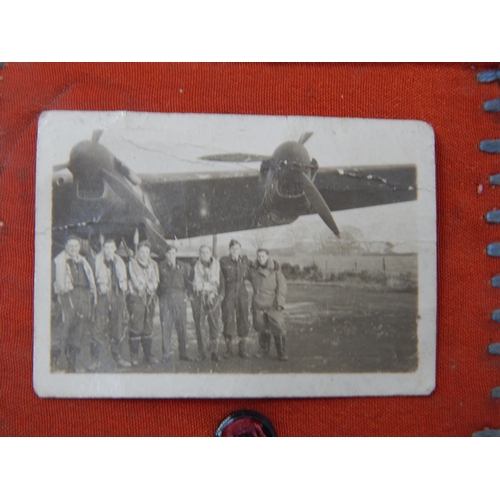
(104, 197)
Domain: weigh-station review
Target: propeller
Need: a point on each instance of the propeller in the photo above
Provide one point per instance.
(126, 172)
(126, 194)
(290, 157)
(96, 135)
(154, 236)
(304, 137)
(62, 166)
(103, 165)
(318, 203)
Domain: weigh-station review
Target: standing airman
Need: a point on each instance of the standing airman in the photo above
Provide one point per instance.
(206, 297)
(174, 285)
(268, 302)
(235, 304)
(112, 285)
(144, 278)
(74, 286)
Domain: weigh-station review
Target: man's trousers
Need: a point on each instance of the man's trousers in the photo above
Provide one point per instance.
(108, 325)
(202, 309)
(173, 313)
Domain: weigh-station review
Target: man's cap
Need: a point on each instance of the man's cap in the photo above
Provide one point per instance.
(73, 237)
(109, 240)
(144, 243)
(263, 250)
(234, 242)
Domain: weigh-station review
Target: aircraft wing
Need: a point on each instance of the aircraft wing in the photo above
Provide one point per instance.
(356, 187)
(214, 203)
(220, 202)
(205, 203)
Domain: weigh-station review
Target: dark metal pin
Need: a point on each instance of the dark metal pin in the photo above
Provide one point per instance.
(245, 423)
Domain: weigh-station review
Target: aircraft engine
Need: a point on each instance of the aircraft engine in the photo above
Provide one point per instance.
(290, 190)
(288, 177)
(88, 161)
(107, 192)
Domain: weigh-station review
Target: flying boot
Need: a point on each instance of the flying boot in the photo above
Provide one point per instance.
(213, 348)
(280, 347)
(231, 348)
(72, 353)
(147, 346)
(55, 352)
(134, 346)
(201, 349)
(95, 351)
(243, 346)
(115, 352)
(265, 344)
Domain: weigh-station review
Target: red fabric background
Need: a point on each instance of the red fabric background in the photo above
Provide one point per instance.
(445, 95)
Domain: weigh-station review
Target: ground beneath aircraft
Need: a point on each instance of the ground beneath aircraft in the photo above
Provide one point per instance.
(329, 329)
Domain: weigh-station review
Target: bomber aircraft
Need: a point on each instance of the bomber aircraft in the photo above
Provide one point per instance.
(103, 197)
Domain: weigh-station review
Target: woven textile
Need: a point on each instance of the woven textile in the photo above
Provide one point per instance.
(445, 95)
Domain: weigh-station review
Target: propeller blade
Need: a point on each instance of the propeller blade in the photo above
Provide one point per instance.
(96, 135)
(319, 204)
(304, 137)
(56, 168)
(126, 172)
(127, 195)
(155, 238)
(235, 157)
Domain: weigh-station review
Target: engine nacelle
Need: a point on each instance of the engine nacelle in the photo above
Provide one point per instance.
(283, 174)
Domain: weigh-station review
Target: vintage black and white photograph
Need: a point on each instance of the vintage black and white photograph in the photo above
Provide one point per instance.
(188, 255)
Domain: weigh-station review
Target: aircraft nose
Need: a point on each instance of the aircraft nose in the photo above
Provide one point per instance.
(87, 159)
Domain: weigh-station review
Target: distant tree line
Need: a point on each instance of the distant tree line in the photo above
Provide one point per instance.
(401, 281)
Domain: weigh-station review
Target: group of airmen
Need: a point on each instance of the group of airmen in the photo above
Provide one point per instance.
(107, 300)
